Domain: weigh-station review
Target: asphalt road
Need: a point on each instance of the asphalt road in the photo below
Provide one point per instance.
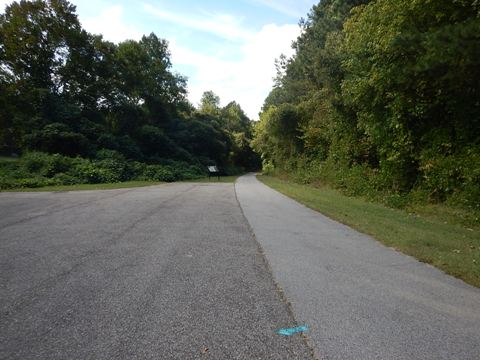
(361, 299)
(164, 272)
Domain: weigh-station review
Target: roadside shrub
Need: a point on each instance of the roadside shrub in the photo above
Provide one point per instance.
(307, 171)
(267, 167)
(396, 200)
(157, 173)
(89, 173)
(33, 182)
(34, 162)
(8, 164)
(14, 172)
(66, 179)
(7, 183)
(454, 176)
(109, 166)
(136, 169)
(184, 171)
(358, 181)
(116, 163)
(112, 169)
(45, 164)
(190, 174)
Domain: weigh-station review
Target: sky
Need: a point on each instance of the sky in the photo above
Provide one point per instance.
(228, 47)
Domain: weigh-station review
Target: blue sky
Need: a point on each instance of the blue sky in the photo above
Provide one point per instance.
(225, 46)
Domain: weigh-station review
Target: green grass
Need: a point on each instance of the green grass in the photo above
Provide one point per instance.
(437, 238)
(121, 185)
(223, 179)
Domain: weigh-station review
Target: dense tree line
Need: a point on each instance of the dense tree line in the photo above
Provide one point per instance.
(382, 98)
(68, 92)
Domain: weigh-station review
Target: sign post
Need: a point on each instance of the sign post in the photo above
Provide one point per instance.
(212, 171)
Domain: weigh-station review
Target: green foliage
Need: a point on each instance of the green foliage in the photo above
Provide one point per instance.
(44, 164)
(65, 179)
(157, 172)
(381, 100)
(276, 135)
(235, 120)
(57, 138)
(209, 103)
(31, 182)
(88, 173)
(242, 154)
(155, 142)
(267, 168)
(65, 91)
(37, 169)
(455, 177)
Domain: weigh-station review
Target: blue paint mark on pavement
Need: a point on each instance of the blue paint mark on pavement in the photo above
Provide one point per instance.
(291, 331)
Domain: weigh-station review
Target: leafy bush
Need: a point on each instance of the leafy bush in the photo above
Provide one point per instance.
(115, 170)
(267, 167)
(157, 173)
(33, 182)
(66, 179)
(90, 173)
(7, 183)
(37, 169)
(184, 171)
(45, 164)
(136, 169)
(453, 175)
(34, 161)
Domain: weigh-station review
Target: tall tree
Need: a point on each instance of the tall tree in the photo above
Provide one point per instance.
(210, 103)
(388, 89)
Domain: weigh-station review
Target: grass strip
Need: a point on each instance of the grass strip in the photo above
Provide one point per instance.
(120, 185)
(106, 186)
(447, 245)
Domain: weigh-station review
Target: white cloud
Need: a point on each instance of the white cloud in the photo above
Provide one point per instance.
(221, 25)
(247, 80)
(111, 25)
(3, 4)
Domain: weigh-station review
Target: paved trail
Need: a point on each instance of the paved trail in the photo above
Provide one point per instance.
(361, 299)
(149, 273)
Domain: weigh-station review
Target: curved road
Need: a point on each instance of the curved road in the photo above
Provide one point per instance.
(174, 272)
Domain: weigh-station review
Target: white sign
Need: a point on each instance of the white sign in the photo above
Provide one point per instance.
(212, 169)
